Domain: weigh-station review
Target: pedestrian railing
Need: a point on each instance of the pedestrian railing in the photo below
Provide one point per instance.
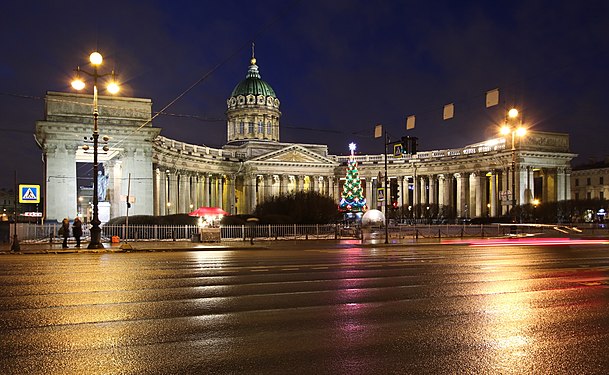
(49, 232)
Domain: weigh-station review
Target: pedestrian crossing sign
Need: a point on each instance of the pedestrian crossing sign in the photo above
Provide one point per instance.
(380, 194)
(29, 193)
(397, 150)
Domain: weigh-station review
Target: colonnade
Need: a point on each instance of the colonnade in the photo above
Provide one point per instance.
(474, 193)
(184, 191)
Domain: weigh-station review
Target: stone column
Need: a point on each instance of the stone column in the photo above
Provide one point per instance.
(432, 190)
(229, 194)
(423, 190)
(268, 186)
(205, 190)
(369, 193)
(162, 202)
(60, 185)
(249, 189)
(560, 184)
(568, 184)
(476, 194)
(155, 192)
(531, 184)
(505, 186)
(283, 184)
(441, 190)
(173, 193)
(461, 194)
(184, 193)
(494, 194)
(335, 186)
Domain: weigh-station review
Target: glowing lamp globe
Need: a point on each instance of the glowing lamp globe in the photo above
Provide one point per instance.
(78, 84)
(96, 58)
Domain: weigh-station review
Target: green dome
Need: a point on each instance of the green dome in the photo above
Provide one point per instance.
(253, 85)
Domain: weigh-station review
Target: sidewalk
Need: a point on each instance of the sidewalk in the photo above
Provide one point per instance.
(55, 248)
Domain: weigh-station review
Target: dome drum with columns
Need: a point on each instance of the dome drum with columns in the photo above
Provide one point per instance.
(253, 109)
(169, 176)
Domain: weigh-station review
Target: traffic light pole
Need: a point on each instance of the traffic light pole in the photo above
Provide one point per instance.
(386, 192)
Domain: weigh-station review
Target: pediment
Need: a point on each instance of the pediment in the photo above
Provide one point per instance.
(293, 154)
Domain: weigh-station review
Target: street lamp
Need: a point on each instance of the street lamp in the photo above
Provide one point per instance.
(535, 204)
(96, 60)
(511, 128)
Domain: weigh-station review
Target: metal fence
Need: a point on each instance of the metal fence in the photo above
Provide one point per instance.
(49, 232)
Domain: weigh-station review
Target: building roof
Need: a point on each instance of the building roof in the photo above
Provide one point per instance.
(253, 84)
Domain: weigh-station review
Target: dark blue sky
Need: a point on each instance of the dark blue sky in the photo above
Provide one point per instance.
(338, 67)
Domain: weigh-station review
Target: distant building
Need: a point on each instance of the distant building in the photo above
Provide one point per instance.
(169, 176)
(590, 181)
(7, 205)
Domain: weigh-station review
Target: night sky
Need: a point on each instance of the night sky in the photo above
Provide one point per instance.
(338, 67)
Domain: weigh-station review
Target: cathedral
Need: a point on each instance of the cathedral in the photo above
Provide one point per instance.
(166, 176)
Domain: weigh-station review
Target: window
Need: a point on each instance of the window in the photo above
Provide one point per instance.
(588, 181)
(577, 182)
(589, 195)
(601, 195)
(250, 127)
(241, 127)
(269, 128)
(576, 196)
(601, 180)
(260, 127)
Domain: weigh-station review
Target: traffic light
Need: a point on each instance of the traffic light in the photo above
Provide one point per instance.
(394, 191)
(409, 145)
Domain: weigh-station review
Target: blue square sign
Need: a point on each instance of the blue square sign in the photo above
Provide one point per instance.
(29, 193)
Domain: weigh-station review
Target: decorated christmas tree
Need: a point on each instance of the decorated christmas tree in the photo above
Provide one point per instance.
(352, 198)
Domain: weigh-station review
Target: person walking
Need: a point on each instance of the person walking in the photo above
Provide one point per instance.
(77, 230)
(64, 231)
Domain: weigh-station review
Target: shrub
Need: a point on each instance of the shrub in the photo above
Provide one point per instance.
(304, 207)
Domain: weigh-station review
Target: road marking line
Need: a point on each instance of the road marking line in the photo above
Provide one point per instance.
(259, 270)
(290, 269)
(319, 268)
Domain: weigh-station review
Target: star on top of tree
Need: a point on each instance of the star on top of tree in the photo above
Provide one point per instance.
(352, 147)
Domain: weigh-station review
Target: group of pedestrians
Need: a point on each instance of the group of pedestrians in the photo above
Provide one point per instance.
(64, 231)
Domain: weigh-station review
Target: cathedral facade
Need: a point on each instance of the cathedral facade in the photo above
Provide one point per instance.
(167, 176)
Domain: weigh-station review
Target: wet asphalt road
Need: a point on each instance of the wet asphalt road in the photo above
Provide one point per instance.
(308, 308)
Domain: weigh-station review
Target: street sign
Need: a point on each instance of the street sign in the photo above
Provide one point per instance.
(397, 150)
(29, 193)
(380, 193)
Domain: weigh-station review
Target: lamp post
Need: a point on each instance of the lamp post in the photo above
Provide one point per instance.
(96, 60)
(511, 128)
(386, 192)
